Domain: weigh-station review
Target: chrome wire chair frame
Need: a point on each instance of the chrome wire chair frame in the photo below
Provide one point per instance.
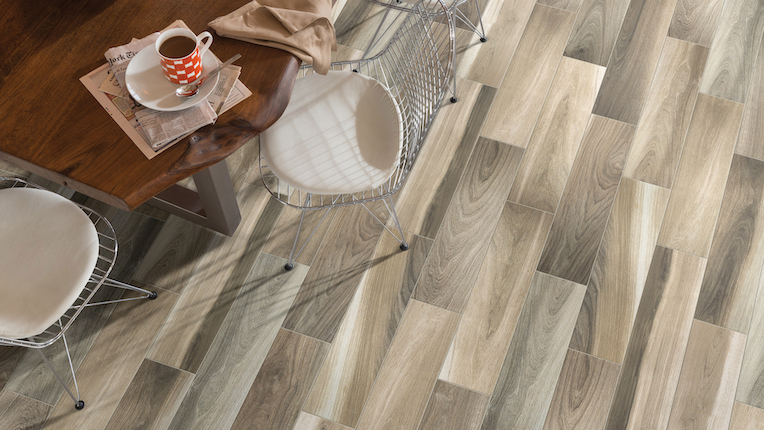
(107, 253)
(456, 13)
(416, 67)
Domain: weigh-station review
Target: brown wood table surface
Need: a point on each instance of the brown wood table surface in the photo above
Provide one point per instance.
(52, 126)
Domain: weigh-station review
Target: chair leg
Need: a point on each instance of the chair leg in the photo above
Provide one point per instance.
(458, 14)
(146, 294)
(292, 255)
(78, 403)
(391, 208)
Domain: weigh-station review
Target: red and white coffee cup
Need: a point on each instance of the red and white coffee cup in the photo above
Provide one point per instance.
(181, 52)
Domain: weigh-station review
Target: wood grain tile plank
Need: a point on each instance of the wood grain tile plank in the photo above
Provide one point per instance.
(653, 361)
(488, 62)
(454, 408)
(152, 397)
(489, 319)
(463, 240)
(282, 238)
(670, 103)
(736, 258)
(745, 417)
(336, 272)
(530, 73)
(595, 31)
(583, 394)
(536, 354)
(173, 257)
(407, 376)
(208, 295)
(632, 64)
(587, 200)
(363, 338)
(569, 5)
(240, 347)
(750, 388)
(10, 356)
(557, 136)
(274, 400)
(752, 128)
(422, 204)
(20, 412)
(618, 277)
(695, 20)
(733, 50)
(706, 391)
(117, 354)
(699, 184)
(306, 421)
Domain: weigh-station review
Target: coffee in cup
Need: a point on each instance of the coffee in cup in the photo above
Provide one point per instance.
(181, 52)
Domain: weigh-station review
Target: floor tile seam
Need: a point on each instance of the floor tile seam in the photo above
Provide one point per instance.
(344, 317)
(452, 204)
(145, 357)
(443, 360)
(481, 259)
(612, 397)
(509, 62)
(463, 168)
(756, 43)
(315, 377)
(596, 357)
(745, 350)
(376, 377)
(32, 398)
(160, 328)
(682, 354)
(546, 93)
(684, 361)
(610, 211)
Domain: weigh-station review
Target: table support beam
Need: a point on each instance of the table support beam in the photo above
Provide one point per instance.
(214, 206)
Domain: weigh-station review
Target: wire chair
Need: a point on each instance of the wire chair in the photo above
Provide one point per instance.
(414, 68)
(107, 253)
(404, 6)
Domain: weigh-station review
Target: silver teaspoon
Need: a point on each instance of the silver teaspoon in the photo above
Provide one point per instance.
(190, 90)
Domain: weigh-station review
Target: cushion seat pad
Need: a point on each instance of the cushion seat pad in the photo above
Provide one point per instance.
(341, 133)
(48, 249)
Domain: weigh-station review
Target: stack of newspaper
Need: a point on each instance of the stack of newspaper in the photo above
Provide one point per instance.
(154, 131)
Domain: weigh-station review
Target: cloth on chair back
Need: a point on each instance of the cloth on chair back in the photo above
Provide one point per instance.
(302, 27)
(48, 249)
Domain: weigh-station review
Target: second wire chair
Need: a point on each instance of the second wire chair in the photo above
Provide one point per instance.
(352, 136)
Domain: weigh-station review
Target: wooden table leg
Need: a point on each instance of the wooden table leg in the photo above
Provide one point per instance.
(214, 206)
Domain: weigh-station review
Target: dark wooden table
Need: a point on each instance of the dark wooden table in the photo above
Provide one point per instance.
(50, 125)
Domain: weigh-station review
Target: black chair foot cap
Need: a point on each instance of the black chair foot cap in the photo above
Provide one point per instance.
(288, 266)
(404, 246)
(483, 39)
(153, 295)
(453, 99)
(79, 405)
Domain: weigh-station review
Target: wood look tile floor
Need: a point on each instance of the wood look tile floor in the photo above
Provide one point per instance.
(587, 244)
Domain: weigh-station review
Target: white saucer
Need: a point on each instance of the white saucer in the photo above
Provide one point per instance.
(149, 87)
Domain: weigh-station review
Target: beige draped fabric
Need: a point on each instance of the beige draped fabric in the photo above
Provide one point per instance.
(301, 27)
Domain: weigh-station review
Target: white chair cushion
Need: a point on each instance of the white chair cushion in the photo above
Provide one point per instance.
(341, 133)
(48, 249)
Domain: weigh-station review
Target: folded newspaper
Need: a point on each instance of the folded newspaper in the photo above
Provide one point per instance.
(154, 131)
